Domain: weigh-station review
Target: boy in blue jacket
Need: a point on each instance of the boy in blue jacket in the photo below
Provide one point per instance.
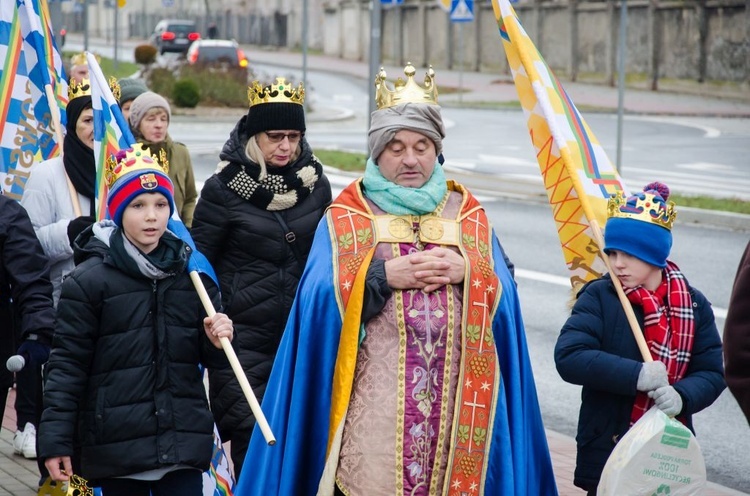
(597, 350)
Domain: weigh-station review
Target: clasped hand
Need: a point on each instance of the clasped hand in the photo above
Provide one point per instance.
(427, 270)
(217, 327)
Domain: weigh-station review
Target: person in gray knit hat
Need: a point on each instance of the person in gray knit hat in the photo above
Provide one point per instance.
(255, 223)
(149, 119)
(405, 339)
(130, 89)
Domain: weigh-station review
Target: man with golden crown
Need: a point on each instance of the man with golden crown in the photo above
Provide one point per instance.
(404, 367)
(79, 68)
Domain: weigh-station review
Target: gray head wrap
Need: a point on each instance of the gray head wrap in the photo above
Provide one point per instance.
(422, 118)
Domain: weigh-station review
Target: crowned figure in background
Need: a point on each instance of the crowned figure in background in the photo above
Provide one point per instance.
(404, 367)
(596, 347)
(255, 222)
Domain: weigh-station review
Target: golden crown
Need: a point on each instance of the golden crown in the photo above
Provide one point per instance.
(79, 59)
(408, 91)
(643, 206)
(133, 159)
(76, 89)
(278, 92)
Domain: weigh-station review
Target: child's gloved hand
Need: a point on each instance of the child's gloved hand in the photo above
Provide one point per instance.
(668, 400)
(653, 375)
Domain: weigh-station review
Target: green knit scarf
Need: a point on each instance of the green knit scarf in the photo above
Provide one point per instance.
(399, 200)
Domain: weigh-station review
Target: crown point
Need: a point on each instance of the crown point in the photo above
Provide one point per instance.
(648, 206)
(131, 159)
(405, 91)
(278, 92)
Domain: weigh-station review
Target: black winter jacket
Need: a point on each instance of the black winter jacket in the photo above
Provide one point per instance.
(258, 272)
(25, 287)
(596, 349)
(123, 384)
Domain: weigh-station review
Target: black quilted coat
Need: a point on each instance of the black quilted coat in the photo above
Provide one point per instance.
(123, 384)
(259, 273)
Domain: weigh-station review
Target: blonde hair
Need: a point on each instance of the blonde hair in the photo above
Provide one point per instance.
(254, 153)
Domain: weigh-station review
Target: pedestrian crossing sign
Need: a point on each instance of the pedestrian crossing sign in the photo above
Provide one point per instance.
(462, 10)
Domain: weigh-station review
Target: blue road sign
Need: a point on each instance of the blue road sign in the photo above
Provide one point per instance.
(391, 2)
(462, 10)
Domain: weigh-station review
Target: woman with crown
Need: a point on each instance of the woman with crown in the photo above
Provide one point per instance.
(255, 223)
(125, 404)
(149, 117)
(57, 216)
(596, 348)
(403, 369)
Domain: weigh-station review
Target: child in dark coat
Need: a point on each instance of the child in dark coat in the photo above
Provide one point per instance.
(123, 386)
(597, 350)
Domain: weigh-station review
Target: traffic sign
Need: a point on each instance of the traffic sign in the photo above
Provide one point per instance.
(462, 10)
(391, 2)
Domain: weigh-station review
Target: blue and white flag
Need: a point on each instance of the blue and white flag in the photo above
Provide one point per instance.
(33, 92)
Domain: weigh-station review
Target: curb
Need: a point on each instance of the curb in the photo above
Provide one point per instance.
(719, 218)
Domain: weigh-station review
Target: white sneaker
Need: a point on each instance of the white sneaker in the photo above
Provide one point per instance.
(29, 441)
(18, 440)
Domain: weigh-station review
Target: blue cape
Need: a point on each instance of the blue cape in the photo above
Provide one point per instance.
(297, 401)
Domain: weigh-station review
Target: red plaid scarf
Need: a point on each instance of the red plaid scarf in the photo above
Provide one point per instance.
(668, 327)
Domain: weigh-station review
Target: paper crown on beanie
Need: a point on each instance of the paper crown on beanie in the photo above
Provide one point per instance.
(76, 89)
(132, 159)
(650, 205)
(277, 92)
(641, 224)
(408, 91)
(132, 172)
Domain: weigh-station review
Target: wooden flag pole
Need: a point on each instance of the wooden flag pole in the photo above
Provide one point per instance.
(226, 345)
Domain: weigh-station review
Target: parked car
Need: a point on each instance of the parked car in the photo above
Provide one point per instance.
(174, 35)
(219, 55)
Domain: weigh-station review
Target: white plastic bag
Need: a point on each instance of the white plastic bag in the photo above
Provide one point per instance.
(657, 456)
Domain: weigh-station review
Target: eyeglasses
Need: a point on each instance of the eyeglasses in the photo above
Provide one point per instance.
(279, 137)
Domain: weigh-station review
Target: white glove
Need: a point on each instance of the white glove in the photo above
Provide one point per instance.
(667, 399)
(653, 375)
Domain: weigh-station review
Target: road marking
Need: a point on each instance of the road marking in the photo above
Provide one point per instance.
(705, 166)
(709, 132)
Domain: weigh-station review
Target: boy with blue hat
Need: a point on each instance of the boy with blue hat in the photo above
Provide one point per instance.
(123, 389)
(596, 348)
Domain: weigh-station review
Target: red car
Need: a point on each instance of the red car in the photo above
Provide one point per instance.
(221, 55)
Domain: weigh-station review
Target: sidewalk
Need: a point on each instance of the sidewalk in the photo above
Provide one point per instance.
(675, 98)
(19, 476)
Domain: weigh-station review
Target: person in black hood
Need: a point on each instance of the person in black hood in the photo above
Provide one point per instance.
(59, 200)
(255, 222)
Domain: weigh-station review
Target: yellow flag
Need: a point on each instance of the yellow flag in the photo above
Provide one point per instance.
(578, 176)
